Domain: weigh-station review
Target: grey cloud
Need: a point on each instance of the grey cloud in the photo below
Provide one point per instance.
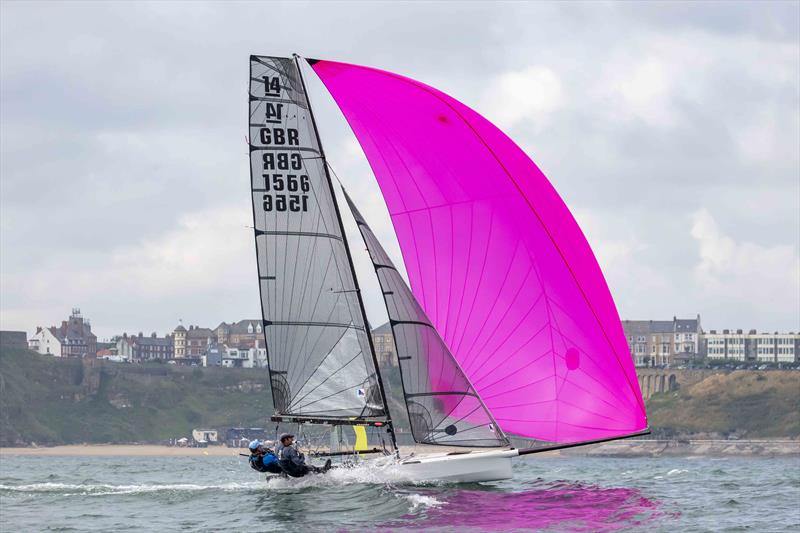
(121, 119)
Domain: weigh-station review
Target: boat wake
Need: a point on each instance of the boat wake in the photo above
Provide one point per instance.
(382, 471)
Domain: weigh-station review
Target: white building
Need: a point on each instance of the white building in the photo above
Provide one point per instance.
(245, 357)
(752, 346)
(257, 358)
(73, 338)
(124, 348)
(45, 342)
(208, 436)
(777, 347)
(765, 348)
(235, 357)
(787, 347)
(726, 345)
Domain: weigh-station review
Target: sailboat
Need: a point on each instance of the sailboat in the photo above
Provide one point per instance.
(507, 328)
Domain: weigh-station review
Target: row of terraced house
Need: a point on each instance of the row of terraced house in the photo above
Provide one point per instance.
(659, 343)
(679, 342)
(238, 344)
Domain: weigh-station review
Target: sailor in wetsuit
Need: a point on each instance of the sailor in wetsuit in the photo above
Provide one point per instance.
(263, 459)
(293, 462)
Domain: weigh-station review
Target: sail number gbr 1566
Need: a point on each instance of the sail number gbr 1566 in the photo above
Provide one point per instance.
(287, 188)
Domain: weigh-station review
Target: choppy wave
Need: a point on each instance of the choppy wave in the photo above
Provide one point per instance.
(372, 473)
(421, 500)
(558, 494)
(103, 489)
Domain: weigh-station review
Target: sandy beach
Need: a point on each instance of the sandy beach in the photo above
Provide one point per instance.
(120, 450)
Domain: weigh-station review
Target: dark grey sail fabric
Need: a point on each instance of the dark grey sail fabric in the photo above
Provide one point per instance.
(320, 358)
(443, 407)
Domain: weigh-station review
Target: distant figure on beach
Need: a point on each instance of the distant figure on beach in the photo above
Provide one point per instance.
(293, 462)
(262, 459)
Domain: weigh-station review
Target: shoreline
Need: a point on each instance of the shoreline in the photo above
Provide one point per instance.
(120, 450)
(640, 448)
(691, 447)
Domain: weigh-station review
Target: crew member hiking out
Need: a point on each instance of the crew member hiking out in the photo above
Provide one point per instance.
(263, 459)
(293, 462)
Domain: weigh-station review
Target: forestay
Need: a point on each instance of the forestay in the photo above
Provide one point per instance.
(320, 357)
(443, 407)
(495, 259)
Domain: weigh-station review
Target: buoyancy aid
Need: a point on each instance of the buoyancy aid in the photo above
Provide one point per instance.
(266, 463)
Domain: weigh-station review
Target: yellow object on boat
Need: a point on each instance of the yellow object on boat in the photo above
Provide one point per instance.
(361, 438)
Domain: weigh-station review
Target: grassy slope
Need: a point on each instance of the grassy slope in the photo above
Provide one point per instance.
(42, 400)
(745, 403)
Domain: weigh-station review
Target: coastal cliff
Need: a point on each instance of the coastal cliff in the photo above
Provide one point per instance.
(50, 400)
(743, 404)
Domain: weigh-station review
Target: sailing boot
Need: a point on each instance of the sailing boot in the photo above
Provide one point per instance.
(327, 466)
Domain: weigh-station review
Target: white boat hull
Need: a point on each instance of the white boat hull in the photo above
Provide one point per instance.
(458, 467)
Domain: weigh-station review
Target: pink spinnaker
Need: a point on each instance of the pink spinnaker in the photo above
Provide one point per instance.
(496, 260)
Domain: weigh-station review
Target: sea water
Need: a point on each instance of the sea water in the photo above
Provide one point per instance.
(546, 494)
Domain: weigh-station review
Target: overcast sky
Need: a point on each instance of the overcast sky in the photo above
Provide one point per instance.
(671, 130)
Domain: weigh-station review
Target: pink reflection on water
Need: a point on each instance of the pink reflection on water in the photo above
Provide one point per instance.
(559, 506)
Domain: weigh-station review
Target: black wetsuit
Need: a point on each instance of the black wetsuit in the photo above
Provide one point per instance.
(294, 463)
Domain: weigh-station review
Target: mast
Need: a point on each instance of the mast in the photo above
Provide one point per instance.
(321, 364)
(349, 256)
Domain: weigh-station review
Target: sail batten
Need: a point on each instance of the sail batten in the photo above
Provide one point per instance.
(319, 352)
(495, 259)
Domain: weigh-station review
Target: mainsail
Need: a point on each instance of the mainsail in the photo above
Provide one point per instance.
(321, 359)
(495, 259)
(443, 407)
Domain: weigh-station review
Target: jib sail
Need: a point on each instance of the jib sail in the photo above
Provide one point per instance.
(320, 355)
(443, 407)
